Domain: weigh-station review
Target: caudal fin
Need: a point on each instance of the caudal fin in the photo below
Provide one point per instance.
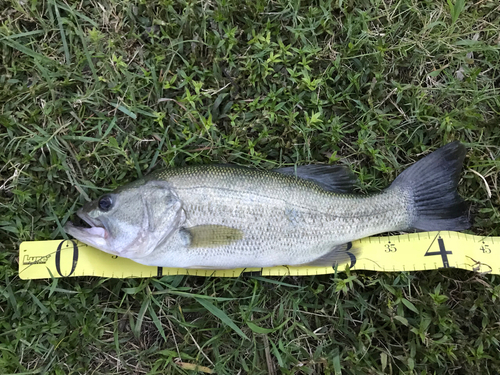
(432, 186)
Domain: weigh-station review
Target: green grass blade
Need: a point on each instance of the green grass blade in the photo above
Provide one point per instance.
(140, 317)
(456, 9)
(124, 110)
(28, 51)
(63, 34)
(254, 327)
(221, 315)
(156, 321)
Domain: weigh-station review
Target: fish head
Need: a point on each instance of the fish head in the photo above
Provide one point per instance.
(131, 221)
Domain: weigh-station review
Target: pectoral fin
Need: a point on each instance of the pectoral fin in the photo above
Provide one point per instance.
(210, 236)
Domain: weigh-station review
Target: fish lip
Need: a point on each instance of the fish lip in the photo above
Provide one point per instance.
(94, 223)
(90, 221)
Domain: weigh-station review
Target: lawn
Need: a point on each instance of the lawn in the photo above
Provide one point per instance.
(94, 94)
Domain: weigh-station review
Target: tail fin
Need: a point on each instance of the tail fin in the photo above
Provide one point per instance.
(432, 184)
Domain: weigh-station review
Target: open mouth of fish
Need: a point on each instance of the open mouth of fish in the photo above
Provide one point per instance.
(84, 224)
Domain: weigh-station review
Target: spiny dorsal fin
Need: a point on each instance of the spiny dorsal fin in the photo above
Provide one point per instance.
(335, 178)
(210, 235)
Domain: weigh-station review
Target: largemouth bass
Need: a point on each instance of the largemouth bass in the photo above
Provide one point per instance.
(221, 216)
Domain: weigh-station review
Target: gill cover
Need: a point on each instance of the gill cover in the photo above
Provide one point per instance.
(135, 221)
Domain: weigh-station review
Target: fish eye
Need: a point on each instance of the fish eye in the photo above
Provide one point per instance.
(105, 203)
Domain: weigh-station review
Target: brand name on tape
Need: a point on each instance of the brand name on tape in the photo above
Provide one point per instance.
(28, 260)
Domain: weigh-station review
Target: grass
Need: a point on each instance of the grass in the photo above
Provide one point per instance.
(95, 94)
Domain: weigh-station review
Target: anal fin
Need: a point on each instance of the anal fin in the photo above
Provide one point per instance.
(337, 255)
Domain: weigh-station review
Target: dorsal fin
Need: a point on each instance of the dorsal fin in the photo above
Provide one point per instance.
(335, 178)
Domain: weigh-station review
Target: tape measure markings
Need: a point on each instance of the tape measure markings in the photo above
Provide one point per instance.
(65, 258)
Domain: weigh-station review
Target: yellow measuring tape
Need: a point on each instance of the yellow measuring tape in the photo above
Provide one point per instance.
(410, 252)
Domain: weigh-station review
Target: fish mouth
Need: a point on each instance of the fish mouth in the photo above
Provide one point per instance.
(84, 227)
